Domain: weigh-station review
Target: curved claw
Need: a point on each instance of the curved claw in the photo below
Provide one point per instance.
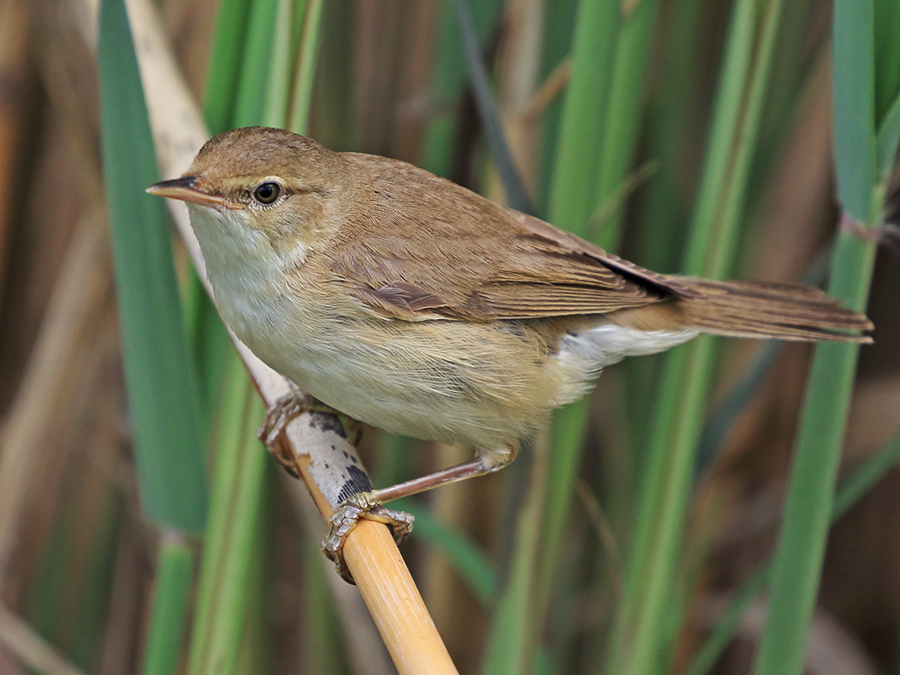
(294, 403)
(281, 412)
(345, 519)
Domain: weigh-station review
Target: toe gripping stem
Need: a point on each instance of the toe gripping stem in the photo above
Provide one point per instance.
(347, 517)
(354, 498)
(339, 476)
(285, 409)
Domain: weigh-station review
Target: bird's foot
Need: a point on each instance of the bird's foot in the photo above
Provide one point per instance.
(289, 406)
(286, 408)
(348, 515)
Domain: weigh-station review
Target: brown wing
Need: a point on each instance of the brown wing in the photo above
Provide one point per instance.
(432, 249)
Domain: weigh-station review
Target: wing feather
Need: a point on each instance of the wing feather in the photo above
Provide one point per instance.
(427, 255)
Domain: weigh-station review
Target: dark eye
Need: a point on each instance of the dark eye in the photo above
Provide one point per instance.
(267, 193)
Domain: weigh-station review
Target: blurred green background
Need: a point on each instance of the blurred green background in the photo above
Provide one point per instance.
(142, 527)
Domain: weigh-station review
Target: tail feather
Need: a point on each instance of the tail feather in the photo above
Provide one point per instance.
(763, 309)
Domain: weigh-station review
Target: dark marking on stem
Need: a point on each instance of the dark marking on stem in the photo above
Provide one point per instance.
(324, 422)
(357, 482)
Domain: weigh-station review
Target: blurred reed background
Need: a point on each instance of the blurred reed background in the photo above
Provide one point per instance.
(639, 535)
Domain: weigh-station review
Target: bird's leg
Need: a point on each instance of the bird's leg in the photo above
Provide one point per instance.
(484, 464)
(370, 504)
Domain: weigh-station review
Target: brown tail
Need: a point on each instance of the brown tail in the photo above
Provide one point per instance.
(762, 309)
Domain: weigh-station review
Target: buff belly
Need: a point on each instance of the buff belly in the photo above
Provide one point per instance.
(483, 386)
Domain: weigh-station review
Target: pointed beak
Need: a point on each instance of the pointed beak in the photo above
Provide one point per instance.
(186, 189)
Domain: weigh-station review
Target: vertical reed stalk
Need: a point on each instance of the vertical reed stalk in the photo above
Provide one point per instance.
(642, 635)
(865, 148)
(162, 389)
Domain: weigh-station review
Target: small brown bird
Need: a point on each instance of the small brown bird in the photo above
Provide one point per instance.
(410, 303)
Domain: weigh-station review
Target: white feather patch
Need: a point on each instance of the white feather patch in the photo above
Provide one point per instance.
(607, 344)
(583, 355)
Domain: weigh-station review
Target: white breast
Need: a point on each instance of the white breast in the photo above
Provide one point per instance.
(245, 270)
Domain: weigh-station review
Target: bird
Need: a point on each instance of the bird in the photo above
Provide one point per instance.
(405, 301)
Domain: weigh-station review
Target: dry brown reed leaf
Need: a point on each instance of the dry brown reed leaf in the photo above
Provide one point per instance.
(460, 507)
(518, 67)
(14, 103)
(32, 650)
(831, 649)
(129, 591)
(48, 387)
